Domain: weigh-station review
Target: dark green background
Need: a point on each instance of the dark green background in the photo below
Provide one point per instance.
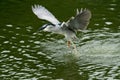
(27, 55)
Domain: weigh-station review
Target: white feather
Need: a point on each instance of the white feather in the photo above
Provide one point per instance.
(43, 13)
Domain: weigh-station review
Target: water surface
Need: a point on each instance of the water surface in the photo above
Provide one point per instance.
(26, 54)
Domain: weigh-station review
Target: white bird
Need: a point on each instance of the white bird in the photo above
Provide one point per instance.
(69, 28)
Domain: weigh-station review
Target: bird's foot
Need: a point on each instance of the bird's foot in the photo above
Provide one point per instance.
(74, 49)
(68, 44)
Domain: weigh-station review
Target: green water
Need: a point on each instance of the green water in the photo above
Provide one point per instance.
(27, 55)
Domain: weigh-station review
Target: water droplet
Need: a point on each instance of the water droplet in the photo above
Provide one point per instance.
(19, 49)
(6, 51)
(6, 42)
(17, 27)
(112, 9)
(96, 24)
(108, 23)
(22, 41)
(9, 25)
(37, 42)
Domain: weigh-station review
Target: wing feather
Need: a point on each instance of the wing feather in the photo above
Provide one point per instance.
(43, 13)
(80, 21)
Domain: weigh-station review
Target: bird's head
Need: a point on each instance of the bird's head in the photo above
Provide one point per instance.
(47, 27)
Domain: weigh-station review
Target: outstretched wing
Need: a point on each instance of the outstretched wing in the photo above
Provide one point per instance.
(44, 14)
(80, 21)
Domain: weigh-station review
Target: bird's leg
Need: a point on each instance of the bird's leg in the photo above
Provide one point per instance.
(74, 47)
(68, 44)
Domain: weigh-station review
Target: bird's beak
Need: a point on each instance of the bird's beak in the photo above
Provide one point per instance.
(41, 28)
